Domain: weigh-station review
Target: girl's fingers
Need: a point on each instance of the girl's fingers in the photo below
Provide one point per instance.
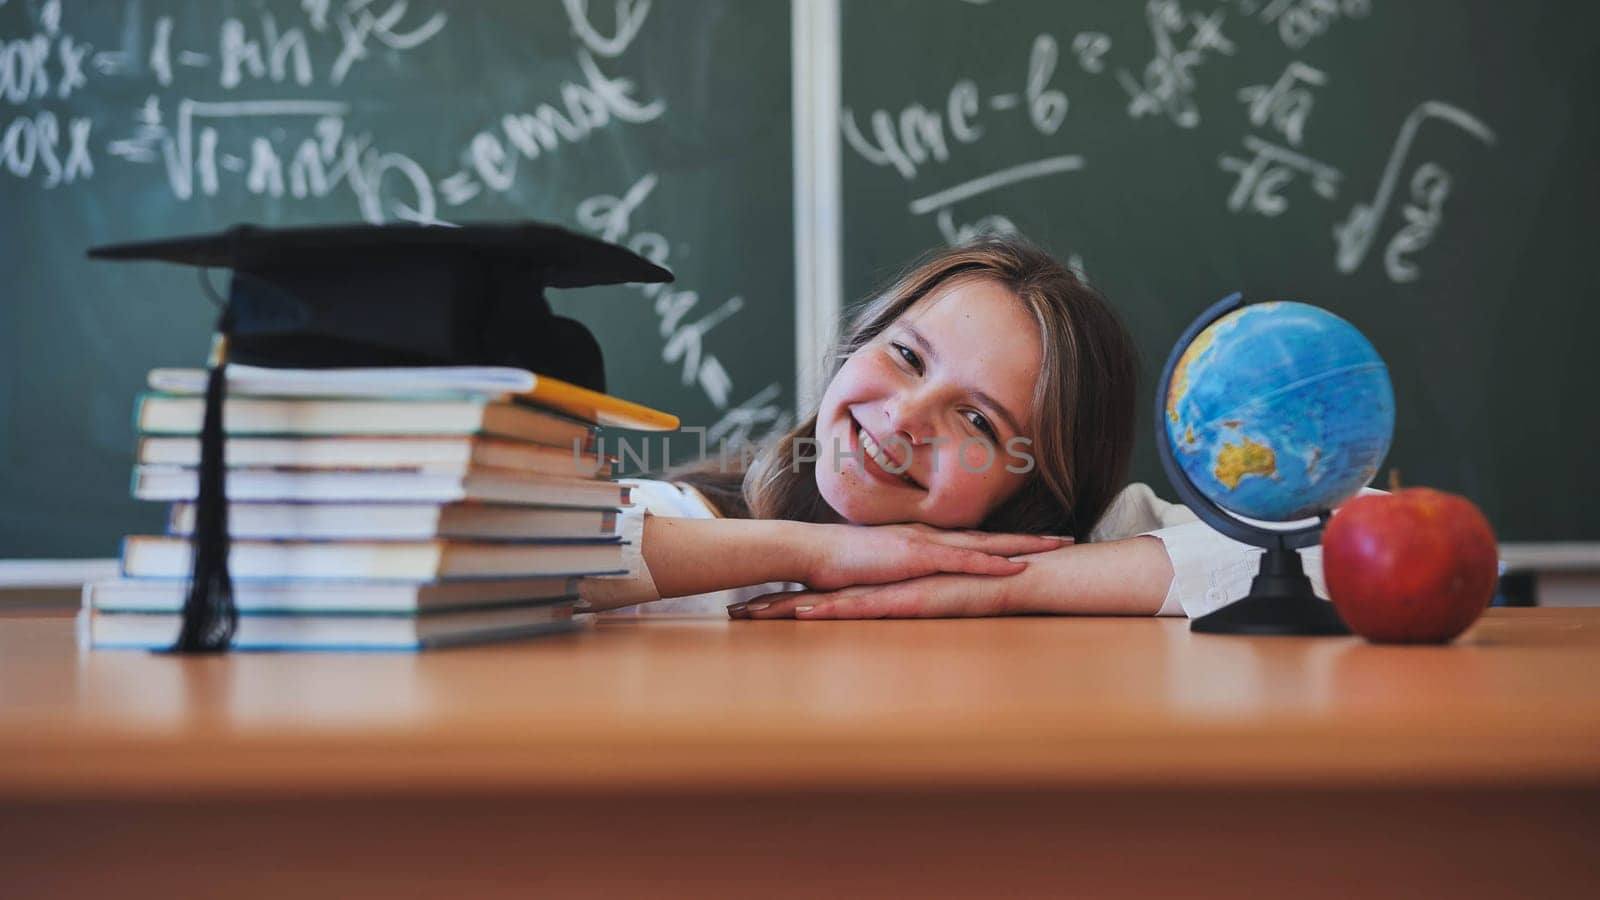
(974, 562)
(1000, 544)
(905, 600)
(850, 603)
(937, 596)
(1016, 544)
(778, 605)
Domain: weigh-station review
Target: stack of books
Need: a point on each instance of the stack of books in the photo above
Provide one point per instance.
(373, 508)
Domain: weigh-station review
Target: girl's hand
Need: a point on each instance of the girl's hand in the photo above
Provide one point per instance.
(844, 555)
(1130, 577)
(933, 596)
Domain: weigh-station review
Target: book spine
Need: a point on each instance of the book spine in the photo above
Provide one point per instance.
(125, 547)
(139, 411)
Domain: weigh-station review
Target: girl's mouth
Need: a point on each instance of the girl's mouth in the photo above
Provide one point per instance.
(880, 465)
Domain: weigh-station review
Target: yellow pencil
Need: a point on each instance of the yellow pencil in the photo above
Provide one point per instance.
(593, 406)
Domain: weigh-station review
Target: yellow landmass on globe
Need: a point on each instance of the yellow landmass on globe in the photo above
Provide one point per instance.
(1180, 372)
(1234, 462)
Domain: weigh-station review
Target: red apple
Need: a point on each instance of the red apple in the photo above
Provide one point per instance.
(1414, 566)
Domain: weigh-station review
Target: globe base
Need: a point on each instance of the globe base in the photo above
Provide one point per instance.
(1281, 602)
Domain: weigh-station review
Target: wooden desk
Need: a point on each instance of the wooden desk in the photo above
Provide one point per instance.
(662, 755)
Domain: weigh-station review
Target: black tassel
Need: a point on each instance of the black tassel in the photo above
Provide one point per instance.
(209, 615)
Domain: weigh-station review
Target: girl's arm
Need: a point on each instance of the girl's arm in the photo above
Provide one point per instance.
(1147, 556)
(691, 556)
(1179, 566)
(1129, 577)
(1125, 577)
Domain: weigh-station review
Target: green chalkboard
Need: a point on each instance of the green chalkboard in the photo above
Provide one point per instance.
(1425, 169)
(659, 128)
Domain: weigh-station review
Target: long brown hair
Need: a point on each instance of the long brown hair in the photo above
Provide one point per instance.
(1083, 407)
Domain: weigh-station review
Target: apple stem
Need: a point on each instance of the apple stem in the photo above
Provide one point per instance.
(1394, 481)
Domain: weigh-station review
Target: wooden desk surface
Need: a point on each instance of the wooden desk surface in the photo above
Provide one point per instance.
(679, 703)
(704, 758)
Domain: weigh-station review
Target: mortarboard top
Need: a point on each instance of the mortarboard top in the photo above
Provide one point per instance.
(377, 295)
(374, 295)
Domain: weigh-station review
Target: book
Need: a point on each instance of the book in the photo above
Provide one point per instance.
(415, 521)
(166, 556)
(309, 485)
(40, 585)
(439, 454)
(172, 414)
(152, 631)
(491, 381)
(167, 595)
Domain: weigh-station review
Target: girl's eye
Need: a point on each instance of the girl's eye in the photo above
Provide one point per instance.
(909, 355)
(980, 422)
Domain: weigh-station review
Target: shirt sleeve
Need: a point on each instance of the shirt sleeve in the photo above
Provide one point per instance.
(1209, 569)
(636, 586)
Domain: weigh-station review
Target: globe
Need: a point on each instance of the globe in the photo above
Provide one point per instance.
(1279, 411)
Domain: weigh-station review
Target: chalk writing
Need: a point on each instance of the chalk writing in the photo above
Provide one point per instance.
(584, 109)
(35, 143)
(1046, 107)
(48, 63)
(1430, 185)
(1286, 106)
(630, 15)
(1299, 21)
(917, 135)
(914, 136)
(1286, 103)
(761, 414)
(995, 180)
(1268, 171)
(160, 60)
(1091, 47)
(142, 146)
(356, 23)
(276, 56)
(958, 233)
(262, 50)
(387, 186)
(201, 145)
(611, 218)
(1169, 80)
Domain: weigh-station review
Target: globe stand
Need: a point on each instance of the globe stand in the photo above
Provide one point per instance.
(1281, 600)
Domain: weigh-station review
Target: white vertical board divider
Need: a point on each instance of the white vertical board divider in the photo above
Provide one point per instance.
(817, 200)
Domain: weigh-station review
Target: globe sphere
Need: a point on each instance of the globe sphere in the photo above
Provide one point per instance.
(1279, 411)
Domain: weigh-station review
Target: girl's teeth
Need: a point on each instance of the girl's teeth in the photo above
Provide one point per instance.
(871, 446)
(877, 454)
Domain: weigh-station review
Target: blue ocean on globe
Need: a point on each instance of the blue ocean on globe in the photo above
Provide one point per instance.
(1280, 411)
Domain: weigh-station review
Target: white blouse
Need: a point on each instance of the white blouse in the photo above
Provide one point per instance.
(1209, 570)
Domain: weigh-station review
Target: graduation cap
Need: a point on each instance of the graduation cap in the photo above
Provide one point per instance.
(377, 295)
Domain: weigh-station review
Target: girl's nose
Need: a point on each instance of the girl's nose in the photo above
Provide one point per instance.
(905, 417)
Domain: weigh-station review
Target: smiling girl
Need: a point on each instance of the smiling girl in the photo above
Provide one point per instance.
(967, 457)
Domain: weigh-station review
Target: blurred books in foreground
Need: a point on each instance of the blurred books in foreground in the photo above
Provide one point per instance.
(387, 509)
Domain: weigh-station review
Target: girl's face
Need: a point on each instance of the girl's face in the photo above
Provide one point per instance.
(939, 394)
